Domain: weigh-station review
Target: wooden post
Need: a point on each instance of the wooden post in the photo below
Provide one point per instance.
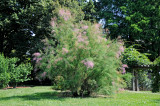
(136, 81)
(133, 81)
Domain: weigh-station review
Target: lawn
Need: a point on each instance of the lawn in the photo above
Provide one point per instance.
(45, 96)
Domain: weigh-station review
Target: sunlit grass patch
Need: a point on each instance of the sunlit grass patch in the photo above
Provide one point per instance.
(45, 96)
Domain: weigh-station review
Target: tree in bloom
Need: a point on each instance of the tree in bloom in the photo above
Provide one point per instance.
(81, 56)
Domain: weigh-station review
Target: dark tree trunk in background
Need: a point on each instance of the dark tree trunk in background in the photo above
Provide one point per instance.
(1, 42)
(75, 94)
(133, 81)
(159, 51)
(136, 81)
(135, 84)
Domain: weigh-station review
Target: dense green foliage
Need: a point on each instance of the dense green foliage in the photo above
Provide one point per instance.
(145, 82)
(24, 23)
(21, 25)
(156, 74)
(127, 77)
(12, 73)
(137, 21)
(132, 57)
(4, 75)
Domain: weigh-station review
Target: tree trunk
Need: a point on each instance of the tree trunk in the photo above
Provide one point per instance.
(75, 94)
(14, 86)
(159, 52)
(1, 42)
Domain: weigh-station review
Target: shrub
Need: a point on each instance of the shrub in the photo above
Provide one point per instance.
(81, 59)
(127, 77)
(4, 75)
(144, 80)
(19, 73)
(12, 73)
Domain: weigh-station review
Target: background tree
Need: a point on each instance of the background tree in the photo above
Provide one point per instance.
(21, 26)
(137, 21)
(24, 23)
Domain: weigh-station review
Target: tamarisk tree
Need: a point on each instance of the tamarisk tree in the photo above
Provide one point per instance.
(83, 60)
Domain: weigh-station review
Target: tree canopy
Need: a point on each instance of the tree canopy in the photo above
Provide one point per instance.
(136, 21)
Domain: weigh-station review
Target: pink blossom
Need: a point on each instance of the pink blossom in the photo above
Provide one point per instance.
(108, 46)
(36, 54)
(123, 68)
(88, 64)
(53, 22)
(107, 31)
(97, 26)
(118, 54)
(124, 71)
(38, 60)
(65, 14)
(84, 32)
(85, 27)
(34, 58)
(82, 39)
(64, 50)
(113, 83)
(100, 38)
(125, 65)
(121, 89)
(49, 66)
(76, 30)
(121, 49)
(35, 69)
(58, 59)
(43, 74)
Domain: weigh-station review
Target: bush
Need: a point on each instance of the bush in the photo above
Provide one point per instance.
(81, 59)
(144, 80)
(4, 75)
(12, 73)
(127, 77)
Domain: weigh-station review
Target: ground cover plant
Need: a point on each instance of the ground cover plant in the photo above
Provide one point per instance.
(46, 96)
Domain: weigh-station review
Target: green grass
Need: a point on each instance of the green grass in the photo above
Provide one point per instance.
(45, 96)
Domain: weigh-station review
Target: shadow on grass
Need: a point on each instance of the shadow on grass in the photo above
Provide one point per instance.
(156, 101)
(61, 96)
(39, 96)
